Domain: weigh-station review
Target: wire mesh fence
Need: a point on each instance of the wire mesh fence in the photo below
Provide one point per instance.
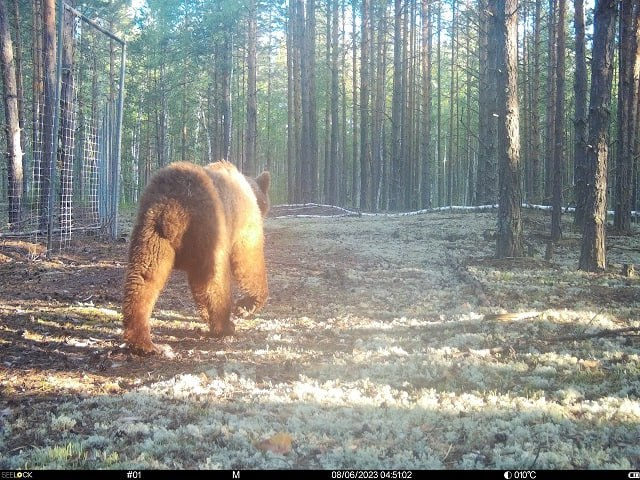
(72, 151)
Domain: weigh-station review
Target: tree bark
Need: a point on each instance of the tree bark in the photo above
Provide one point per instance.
(12, 118)
(251, 133)
(20, 92)
(509, 231)
(487, 107)
(332, 191)
(292, 90)
(551, 103)
(558, 154)
(309, 145)
(396, 110)
(365, 146)
(593, 253)
(425, 181)
(452, 159)
(580, 122)
(67, 129)
(536, 140)
(379, 159)
(627, 114)
(49, 73)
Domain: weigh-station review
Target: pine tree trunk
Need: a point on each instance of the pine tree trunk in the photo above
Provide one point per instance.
(365, 147)
(551, 103)
(380, 176)
(627, 114)
(580, 122)
(252, 107)
(37, 95)
(67, 129)
(536, 140)
(49, 75)
(292, 143)
(20, 92)
(452, 159)
(593, 253)
(12, 118)
(396, 111)
(487, 108)
(227, 120)
(509, 231)
(313, 116)
(425, 182)
(558, 154)
(332, 191)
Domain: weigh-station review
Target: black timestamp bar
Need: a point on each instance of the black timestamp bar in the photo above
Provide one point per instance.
(372, 475)
(347, 474)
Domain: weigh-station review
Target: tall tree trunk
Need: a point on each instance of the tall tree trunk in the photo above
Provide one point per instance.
(37, 92)
(593, 253)
(627, 113)
(580, 122)
(227, 75)
(439, 171)
(484, 111)
(308, 149)
(536, 140)
(470, 139)
(332, 191)
(452, 161)
(355, 185)
(49, 72)
(343, 178)
(67, 128)
(313, 115)
(396, 110)
(252, 107)
(365, 146)
(162, 117)
(380, 176)
(12, 118)
(292, 126)
(487, 108)
(551, 102)
(558, 154)
(425, 181)
(406, 122)
(509, 232)
(20, 93)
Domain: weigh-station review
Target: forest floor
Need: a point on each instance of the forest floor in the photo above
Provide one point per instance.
(387, 342)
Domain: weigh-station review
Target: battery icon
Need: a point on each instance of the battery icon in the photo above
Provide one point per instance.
(634, 475)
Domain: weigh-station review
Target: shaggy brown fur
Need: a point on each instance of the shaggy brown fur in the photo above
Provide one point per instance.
(206, 221)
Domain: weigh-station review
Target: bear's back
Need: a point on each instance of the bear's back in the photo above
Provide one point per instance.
(237, 196)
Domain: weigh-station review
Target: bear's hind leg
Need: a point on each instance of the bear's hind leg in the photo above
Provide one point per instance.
(148, 271)
(212, 294)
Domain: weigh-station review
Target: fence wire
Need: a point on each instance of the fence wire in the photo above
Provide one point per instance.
(78, 192)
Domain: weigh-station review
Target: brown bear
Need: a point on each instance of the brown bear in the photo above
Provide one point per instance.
(206, 221)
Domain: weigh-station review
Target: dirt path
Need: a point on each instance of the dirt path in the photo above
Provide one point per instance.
(387, 343)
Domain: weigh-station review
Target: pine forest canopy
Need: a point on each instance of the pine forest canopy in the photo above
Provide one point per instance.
(374, 104)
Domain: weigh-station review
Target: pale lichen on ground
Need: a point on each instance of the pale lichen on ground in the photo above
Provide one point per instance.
(391, 342)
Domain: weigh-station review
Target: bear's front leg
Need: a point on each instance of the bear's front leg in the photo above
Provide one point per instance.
(246, 306)
(250, 272)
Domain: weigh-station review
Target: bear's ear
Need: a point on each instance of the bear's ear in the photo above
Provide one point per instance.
(264, 180)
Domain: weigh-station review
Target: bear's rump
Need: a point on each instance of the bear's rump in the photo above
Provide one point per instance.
(186, 211)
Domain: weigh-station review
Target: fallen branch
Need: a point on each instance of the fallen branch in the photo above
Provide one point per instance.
(607, 332)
